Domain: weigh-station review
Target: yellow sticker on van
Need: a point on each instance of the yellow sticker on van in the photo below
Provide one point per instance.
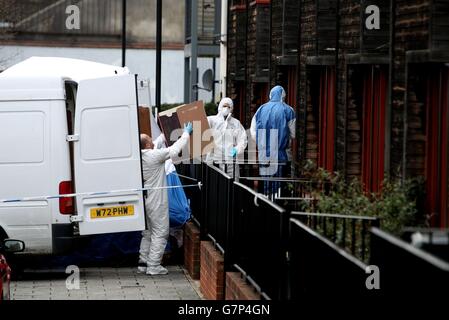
(109, 212)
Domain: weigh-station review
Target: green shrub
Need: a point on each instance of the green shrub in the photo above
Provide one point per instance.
(398, 205)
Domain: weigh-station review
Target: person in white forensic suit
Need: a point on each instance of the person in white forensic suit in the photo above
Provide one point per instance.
(230, 139)
(154, 239)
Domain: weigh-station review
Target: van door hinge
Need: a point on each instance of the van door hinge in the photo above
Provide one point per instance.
(72, 137)
(76, 218)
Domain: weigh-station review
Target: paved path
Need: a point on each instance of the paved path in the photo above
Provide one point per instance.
(106, 284)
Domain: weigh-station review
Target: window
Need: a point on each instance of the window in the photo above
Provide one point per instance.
(107, 137)
(437, 144)
(321, 116)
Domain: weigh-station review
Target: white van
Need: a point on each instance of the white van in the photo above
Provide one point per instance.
(68, 126)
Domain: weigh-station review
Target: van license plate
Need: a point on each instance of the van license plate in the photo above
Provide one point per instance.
(109, 212)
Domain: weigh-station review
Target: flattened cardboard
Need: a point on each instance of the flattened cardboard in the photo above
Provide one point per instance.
(168, 121)
(195, 113)
(175, 118)
(144, 120)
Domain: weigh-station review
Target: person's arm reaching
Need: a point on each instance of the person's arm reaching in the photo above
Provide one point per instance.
(159, 142)
(174, 150)
(177, 147)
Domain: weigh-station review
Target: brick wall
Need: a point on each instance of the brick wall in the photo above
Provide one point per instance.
(212, 278)
(238, 289)
(416, 120)
(248, 54)
(258, 56)
(236, 55)
(354, 122)
(307, 133)
(411, 31)
(192, 250)
(349, 43)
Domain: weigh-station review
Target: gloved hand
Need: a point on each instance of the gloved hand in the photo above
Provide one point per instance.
(188, 127)
(233, 152)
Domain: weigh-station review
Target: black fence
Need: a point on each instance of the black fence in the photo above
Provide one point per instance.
(285, 254)
(348, 232)
(259, 235)
(217, 199)
(317, 265)
(406, 268)
(434, 241)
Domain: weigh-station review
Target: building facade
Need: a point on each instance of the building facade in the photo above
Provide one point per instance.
(368, 80)
(39, 28)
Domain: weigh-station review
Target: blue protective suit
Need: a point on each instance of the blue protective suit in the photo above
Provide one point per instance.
(274, 115)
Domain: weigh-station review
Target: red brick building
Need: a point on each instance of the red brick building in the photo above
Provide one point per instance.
(369, 102)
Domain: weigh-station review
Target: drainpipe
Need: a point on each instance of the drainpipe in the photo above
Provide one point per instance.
(390, 89)
(337, 51)
(158, 53)
(123, 33)
(223, 46)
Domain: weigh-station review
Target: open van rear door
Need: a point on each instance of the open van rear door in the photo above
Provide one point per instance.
(107, 156)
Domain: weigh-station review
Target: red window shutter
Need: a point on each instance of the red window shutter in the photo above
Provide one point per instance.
(373, 128)
(437, 140)
(291, 89)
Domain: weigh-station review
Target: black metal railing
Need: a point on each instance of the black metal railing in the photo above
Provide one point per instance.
(217, 199)
(350, 233)
(291, 194)
(258, 241)
(405, 268)
(432, 240)
(285, 253)
(318, 265)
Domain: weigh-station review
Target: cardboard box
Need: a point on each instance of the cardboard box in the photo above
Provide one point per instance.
(175, 118)
(144, 120)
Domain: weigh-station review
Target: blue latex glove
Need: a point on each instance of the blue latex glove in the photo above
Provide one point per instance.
(188, 127)
(233, 152)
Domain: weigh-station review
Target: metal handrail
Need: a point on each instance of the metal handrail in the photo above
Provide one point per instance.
(338, 216)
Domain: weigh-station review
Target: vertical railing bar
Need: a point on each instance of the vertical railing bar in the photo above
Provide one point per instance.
(363, 239)
(353, 237)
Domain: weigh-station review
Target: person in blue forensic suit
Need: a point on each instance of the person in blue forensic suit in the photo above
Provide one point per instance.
(273, 129)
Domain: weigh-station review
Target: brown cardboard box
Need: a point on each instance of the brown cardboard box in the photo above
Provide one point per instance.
(144, 120)
(194, 112)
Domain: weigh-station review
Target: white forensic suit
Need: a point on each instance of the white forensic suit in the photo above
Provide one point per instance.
(154, 239)
(230, 139)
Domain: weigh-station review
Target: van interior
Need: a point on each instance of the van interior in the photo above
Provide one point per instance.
(70, 103)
